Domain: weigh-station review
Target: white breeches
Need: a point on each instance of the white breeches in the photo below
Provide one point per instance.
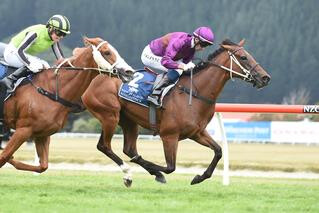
(151, 60)
(12, 58)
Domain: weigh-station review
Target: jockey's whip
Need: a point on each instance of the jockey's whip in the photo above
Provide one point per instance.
(191, 89)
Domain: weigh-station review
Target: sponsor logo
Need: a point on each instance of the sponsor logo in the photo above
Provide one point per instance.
(311, 109)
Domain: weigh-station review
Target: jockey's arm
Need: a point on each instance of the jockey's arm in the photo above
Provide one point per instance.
(171, 51)
(57, 51)
(29, 39)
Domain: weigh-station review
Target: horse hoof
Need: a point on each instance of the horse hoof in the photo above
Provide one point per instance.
(128, 182)
(197, 179)
(160, 179)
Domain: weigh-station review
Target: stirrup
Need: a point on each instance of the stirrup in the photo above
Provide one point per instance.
(153, 100)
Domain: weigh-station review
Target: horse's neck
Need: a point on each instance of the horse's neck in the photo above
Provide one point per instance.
(71, 84)
(210, 81)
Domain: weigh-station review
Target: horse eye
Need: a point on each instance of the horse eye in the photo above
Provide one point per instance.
(106, 53)
(244, 58)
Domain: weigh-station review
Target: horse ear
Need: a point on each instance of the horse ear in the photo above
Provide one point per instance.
(227, 47)
(241, 43)
(86, 41)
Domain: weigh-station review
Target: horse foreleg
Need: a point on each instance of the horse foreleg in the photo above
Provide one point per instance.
(42, 148)
(104, 145)
(204, 139)
(130, 132)
(17, 139)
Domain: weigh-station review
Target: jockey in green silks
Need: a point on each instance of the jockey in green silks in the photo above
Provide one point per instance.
(23, 47)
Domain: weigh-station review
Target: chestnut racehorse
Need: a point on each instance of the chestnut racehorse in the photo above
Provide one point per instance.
(176, 120)
(36, 116)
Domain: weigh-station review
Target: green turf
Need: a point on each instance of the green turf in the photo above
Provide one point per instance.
(66, 191)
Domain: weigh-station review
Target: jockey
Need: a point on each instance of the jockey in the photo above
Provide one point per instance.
(35, 39)
(173, 53)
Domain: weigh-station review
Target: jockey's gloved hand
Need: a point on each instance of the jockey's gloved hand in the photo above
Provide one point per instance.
(189, 66)
(35, 66)
(45, 64)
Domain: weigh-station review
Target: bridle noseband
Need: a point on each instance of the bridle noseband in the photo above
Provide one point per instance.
(101, 62)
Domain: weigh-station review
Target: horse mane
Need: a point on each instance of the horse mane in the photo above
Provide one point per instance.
(75, 53)
(221, 49)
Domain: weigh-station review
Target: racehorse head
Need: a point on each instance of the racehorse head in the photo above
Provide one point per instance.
(242, 65)
(107, 57)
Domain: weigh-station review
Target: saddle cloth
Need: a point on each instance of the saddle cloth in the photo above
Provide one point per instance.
(138, 89)
(6, 70)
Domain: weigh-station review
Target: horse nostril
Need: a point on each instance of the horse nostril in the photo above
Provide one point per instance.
(266, 79)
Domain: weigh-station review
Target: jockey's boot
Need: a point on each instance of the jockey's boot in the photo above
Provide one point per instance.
(155, 96)
(167, 80)
(13, 77)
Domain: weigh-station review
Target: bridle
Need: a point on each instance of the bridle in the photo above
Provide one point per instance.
(101, 62)
(103, 67)
(247, 73)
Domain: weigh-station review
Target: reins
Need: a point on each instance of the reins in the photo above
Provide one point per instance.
(82, 69)
(246, 77)
(110, 69)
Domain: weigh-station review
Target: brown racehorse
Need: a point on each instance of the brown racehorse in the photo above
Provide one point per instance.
(34, 115)
(176, 120)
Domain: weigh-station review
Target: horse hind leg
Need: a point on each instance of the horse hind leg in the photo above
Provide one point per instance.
(42, 148)
(170, 144)
(204, 139)
(104, 145)
(130, 132)
(17, 139)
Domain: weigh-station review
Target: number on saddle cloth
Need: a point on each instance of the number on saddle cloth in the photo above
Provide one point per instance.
(138, 89)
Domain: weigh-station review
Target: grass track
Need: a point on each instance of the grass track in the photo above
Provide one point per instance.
(67, 191)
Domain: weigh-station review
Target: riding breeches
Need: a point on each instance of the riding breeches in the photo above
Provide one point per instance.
(12, 58)
(149, 59)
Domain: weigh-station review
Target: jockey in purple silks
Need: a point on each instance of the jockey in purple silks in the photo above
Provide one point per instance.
(173, 53)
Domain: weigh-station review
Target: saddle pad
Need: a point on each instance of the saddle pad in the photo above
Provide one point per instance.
(3, 70)
(138, 89)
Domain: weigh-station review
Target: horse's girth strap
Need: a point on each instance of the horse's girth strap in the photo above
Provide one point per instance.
(196, 95)
(152, 118)
(74, 106)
